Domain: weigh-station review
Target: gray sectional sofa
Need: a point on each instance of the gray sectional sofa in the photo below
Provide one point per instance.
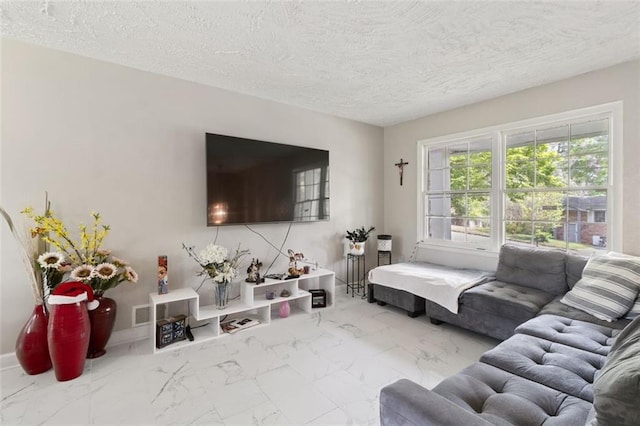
(529, 281)
(557, 366)
(553, 371)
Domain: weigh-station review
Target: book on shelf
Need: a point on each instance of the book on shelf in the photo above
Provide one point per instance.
(234, 325)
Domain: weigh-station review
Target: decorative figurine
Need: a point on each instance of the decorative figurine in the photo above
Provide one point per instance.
(285, 293)
(294, 271)
(254, 272)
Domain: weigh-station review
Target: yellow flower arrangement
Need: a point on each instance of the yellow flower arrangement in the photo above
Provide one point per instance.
(86, 261)
(90, 242)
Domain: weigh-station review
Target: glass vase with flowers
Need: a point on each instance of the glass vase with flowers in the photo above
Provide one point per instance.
(217, 267)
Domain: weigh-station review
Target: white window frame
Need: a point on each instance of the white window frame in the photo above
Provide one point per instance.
(613, 111)
(322, 200)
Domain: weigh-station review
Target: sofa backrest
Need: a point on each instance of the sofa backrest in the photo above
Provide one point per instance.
(575, 266)
(533, 267)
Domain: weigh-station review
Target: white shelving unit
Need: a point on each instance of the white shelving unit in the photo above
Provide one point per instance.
(252, 303)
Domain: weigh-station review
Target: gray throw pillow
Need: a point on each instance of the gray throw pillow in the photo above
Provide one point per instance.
(634, 312)
(608, 287)
(616, 389)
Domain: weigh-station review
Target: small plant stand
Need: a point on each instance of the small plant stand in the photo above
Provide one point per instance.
(356, 275)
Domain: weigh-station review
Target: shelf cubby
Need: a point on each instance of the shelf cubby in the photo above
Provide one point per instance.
(252, 303)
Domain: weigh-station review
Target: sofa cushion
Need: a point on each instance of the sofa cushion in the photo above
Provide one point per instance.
(608, 287)
(574, 267)
(406, 403)
(555, 307)
(502, 398)
(481, 321)
(542, 269)
(506, 300)
(617, 387)
(558, 366)
(578, 334)
(399, 298)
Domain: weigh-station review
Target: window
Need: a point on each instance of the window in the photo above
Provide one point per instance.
(311, 194)
(599, 216)
(543, 182)
(458, 195)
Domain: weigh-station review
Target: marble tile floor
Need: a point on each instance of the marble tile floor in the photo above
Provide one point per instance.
(324, 368)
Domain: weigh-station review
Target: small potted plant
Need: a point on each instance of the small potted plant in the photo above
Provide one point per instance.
(357, 239)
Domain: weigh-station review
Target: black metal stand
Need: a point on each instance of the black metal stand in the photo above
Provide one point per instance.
(356, 275)
(383, 255)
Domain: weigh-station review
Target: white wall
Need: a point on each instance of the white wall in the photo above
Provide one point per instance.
(130, 144)
(621, 82)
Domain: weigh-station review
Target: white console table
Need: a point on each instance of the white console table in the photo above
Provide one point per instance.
(252, 303)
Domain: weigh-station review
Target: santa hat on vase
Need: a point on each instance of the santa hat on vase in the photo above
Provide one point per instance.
(73, 292)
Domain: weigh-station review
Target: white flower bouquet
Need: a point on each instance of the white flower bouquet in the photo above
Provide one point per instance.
(214, 261)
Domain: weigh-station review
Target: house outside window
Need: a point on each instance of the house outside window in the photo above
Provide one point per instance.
(543, 182)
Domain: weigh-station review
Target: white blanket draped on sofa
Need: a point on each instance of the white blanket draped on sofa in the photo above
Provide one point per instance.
(439, 284)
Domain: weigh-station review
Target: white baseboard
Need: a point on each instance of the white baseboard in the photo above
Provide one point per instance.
(128, 335)
(8, 361)
(120, 337)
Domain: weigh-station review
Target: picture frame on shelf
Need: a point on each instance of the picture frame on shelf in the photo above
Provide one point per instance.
(170, 330)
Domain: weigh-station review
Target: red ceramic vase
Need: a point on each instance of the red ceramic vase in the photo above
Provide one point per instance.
(32, 349)
(102, 320)
(68, 337)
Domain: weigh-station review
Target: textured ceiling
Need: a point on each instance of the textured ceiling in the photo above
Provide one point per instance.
(376, 62)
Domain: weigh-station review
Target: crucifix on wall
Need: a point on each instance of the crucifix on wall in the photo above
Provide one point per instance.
(400, 167)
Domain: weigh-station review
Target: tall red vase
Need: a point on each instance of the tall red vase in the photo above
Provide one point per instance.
(68, 337)
(102, 320)
(32, 349)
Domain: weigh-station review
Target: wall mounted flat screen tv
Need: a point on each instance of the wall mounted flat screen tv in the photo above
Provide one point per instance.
(253, 181)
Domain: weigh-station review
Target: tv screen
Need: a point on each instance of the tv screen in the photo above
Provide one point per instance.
(252, 181)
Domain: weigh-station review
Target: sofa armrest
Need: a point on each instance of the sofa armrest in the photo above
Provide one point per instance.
(405, 403)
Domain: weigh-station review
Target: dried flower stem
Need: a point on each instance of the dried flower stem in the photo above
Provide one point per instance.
(27, 259)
